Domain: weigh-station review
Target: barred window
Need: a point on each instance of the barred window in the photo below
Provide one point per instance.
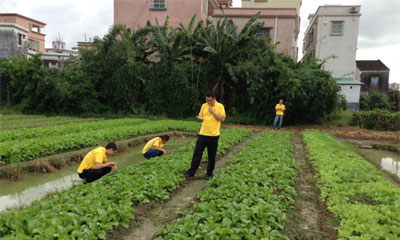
(265, 32)
(337, 27)
(158, 4)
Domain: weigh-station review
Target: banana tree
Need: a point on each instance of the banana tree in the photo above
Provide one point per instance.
(223, 45)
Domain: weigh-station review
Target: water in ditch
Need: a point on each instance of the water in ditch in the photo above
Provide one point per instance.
(36, 186)
(389, 161)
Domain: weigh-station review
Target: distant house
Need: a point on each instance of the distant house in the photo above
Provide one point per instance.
(20, 35)
(281, 20)
(374, 74)
(332, 36)
(58, 57)
(394, 86)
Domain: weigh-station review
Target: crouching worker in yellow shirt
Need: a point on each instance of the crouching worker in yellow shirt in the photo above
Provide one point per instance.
(95, 165)
(153, 148)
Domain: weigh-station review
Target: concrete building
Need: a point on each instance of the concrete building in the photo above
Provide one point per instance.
(332, 36)
(394, 86)
(374, 74)
(20, 35)
(273, 4)
(58, 57)
(135, 13)
(280, 24)
(278, 5)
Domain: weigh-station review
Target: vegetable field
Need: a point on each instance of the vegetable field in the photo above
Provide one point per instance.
(251, 197)
(366, 203)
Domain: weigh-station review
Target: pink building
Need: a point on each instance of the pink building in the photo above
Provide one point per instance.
(280, 24)
(34, 37)
(135, 13)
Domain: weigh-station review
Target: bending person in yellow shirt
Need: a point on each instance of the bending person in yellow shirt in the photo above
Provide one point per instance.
(95, 165)
(212, 113)
(280, 108)
(153, 148)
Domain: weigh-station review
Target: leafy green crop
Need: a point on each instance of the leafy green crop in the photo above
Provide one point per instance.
(21, 134)
(91, 211)
(24, 150)
(365, 202)
(247, 199)
(9, 122)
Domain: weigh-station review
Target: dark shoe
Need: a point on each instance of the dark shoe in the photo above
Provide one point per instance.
(209, 177)
(187, 175)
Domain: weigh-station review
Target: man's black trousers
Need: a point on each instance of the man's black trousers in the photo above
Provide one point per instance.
(212, 144)
(93, 174)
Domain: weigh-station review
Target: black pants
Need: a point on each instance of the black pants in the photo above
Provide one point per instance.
(212, 145)
(93, 174)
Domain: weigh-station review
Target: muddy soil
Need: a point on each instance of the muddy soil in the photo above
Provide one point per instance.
(310, 219)
(150, 218)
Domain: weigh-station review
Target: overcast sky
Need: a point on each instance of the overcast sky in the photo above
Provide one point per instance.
(379, 35)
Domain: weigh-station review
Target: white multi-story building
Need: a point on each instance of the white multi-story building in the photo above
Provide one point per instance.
(332, 36)
(57, 56)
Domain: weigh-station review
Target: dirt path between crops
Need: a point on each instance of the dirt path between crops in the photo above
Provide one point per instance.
(310, 220)
(149, 219)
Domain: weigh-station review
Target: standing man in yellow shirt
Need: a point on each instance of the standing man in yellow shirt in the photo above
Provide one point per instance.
(280, 108)
(95, 165)
(212, 113)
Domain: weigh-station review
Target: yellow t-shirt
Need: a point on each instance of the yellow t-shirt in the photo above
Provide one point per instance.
(210, 125)
(279, 112)
(157, 141)
(94, 156)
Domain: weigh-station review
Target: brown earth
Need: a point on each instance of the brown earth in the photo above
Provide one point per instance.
(310, 219)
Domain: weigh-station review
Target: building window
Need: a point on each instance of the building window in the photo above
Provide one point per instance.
(34, 45)
(265, 32)
(337, 27)
(374, 82)
(205, 7)
(19, 39)
(158, 4)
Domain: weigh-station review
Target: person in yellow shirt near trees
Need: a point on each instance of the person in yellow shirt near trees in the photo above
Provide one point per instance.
(95, 165)
(212, 113)
(153, 148)
(280, 108)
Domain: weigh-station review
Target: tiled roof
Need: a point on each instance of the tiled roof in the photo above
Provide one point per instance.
(347, 81)
(371, 65)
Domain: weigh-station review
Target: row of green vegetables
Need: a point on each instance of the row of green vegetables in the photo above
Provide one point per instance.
(364, 201)
(24, 150)
(24, 121)
(246, 200)
(22, 134)
(91, 211)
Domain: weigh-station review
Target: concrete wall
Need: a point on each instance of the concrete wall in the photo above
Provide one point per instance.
(381, 86)
(352, 94)
(9, 45)
(136, 13)
(35, 33)
(272, 4)
(282, 23)
(339, 50)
